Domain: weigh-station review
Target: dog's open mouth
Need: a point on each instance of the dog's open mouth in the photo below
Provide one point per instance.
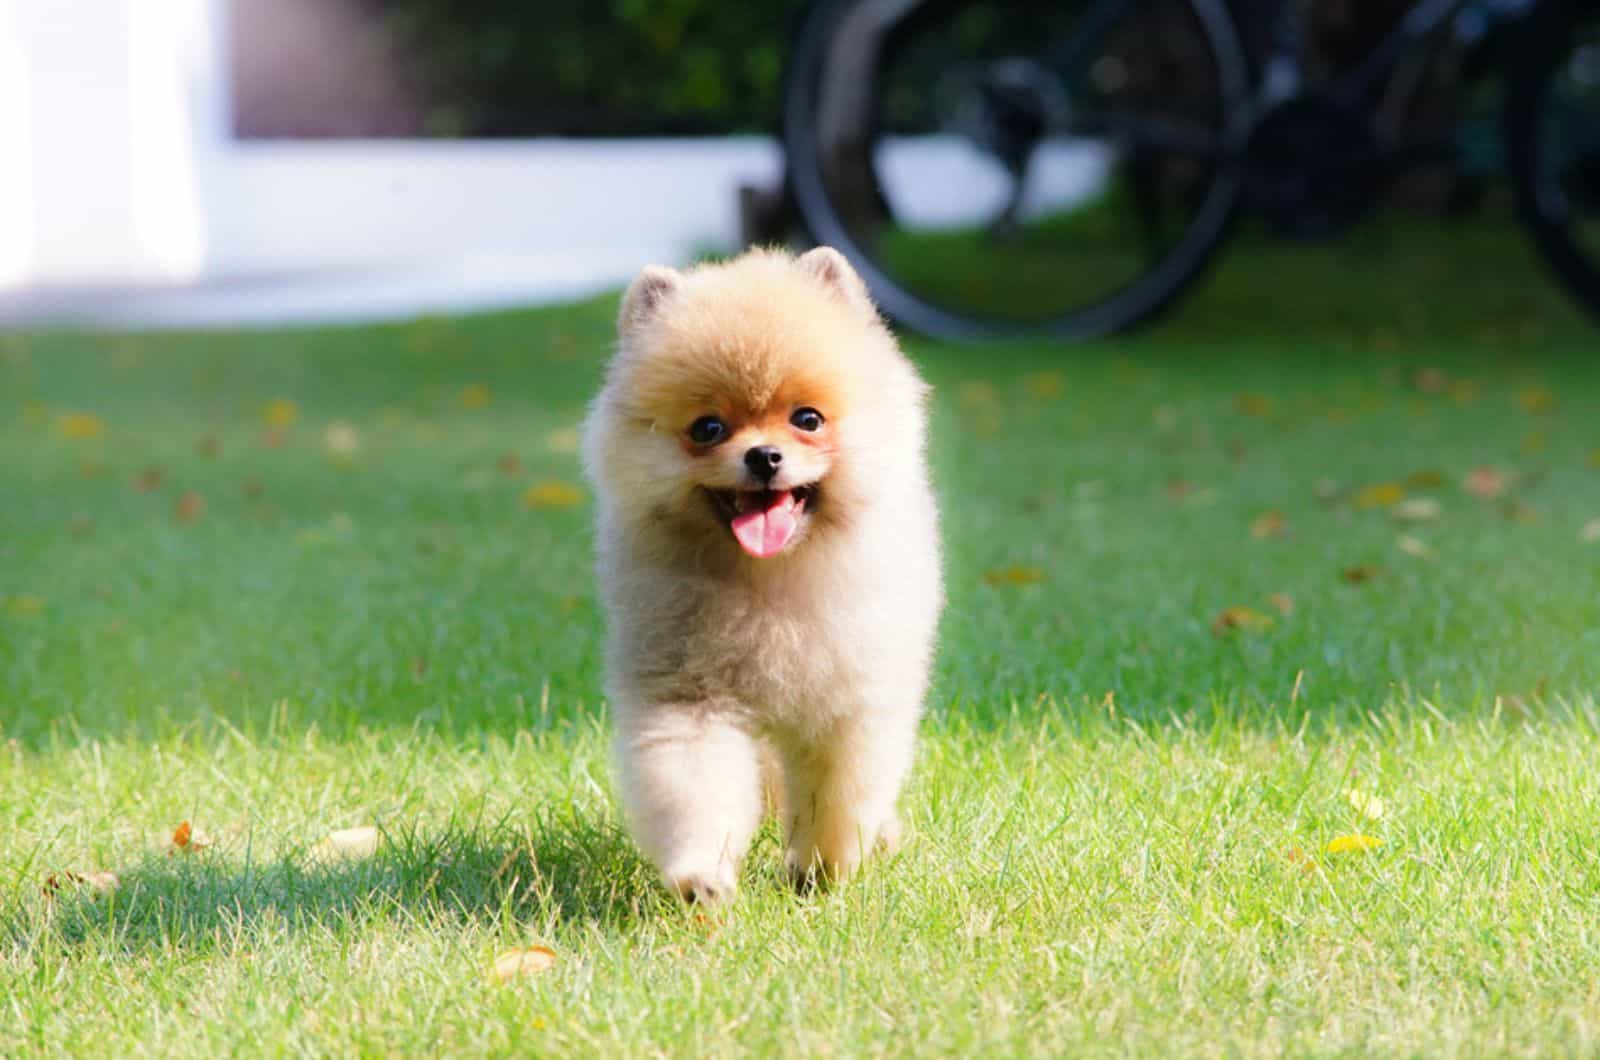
(764, 521)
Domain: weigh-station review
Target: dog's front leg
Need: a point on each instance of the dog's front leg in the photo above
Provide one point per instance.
(840, 793)
(691, 785)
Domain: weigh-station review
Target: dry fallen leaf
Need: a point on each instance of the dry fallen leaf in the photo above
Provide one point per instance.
(1046, 385)
(1429, 380)
(190, 507)
(523, 963)
(1412, 546)
(476, 396)
(1253, 405)
(509, 464)
(1369, 806)
(347, 844)
(81, 425)
(1426, 479)
(1381, 495)
(1486, 483)
(280, 413)
(186, 839)
(98, 882)
(1283, 602)
(1536, 400)
(1360, 573)
(1016, 575)
(341, 439)
(978, 395)
(1346, 843)
(1590, 532)
(1245, 619)
(552, 494)
(148, 479)
(1269, 524)
(1300, 859)
(1415, 510)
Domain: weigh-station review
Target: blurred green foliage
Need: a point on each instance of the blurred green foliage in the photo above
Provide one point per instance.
(579, 67)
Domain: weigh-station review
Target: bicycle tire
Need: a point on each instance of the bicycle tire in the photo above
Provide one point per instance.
(1539, 201)
(1152, 291)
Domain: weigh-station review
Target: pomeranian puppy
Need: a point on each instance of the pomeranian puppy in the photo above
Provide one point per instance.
(768, 553)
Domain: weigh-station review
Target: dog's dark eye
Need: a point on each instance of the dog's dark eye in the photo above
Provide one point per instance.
(706, 430)
(807, 419)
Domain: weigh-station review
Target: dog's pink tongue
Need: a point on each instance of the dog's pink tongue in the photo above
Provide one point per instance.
(764, 531)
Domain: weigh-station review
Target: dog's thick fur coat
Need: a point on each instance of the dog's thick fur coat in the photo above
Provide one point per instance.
(807, 667)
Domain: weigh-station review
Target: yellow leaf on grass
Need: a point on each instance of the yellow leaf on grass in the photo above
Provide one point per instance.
(1347, 843)
(24, 606)
(1594, 459)
(523, 963)
(1269, 524)
(1283, 602)
(552, 494)
(1369, 806)
(1590, 532)
(347, 843)
(81, 425)
(1245, 619)
(476, 396)
(562, 440)
(1046, 385)
(1016, 575)
(280, 413)
(1381, 495)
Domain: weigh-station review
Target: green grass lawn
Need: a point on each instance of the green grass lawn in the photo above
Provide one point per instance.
(281, 584)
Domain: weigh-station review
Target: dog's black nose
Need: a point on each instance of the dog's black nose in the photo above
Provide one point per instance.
(763, 461)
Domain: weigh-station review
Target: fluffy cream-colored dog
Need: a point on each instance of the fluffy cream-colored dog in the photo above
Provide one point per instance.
(769, 556)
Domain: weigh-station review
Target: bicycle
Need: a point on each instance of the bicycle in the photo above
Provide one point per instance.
(1069, 168)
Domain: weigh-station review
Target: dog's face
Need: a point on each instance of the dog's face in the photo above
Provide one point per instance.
(747, 404)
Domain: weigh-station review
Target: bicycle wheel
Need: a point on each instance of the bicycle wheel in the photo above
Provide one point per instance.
(1553, 141)
(1002, 168)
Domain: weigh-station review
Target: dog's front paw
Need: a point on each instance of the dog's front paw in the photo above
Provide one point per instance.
(708, 887)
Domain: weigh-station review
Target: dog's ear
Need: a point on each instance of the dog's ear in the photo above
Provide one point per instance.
(830, 267)
(654, 285)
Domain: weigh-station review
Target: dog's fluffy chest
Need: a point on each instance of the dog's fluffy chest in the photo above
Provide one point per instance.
(786, 650)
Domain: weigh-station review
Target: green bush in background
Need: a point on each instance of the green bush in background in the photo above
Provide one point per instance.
(576, 67)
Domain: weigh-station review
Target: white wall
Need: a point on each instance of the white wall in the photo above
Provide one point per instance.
(117, 167)
(108, 106)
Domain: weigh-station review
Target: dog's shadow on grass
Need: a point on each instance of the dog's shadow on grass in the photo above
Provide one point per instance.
(555, 869)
